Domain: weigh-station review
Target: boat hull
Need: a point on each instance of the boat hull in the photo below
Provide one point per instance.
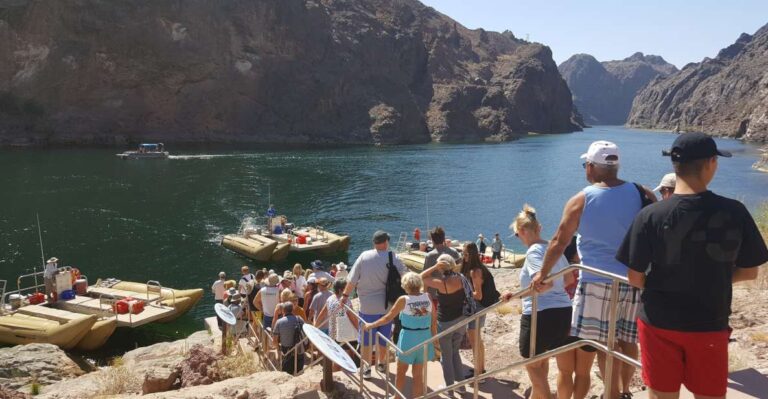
(281, 252)
(20, 329)
(98, 335)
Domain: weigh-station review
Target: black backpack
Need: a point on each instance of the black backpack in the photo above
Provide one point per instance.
(298, 333)
(644, 200)
(394, 289)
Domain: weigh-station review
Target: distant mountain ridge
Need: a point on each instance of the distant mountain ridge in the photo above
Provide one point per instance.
(726, 95)
(603, 91)
(287, 71)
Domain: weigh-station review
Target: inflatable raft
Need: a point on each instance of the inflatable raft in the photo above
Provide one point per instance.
(20, 329)
(253, 246)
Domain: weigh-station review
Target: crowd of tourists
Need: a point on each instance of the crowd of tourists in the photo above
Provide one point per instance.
(681, 256)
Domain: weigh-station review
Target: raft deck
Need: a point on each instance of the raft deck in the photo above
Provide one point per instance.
(103, 307)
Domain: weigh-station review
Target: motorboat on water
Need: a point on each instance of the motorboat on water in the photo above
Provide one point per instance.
(83, 317)
(146, 151)
(273, 239)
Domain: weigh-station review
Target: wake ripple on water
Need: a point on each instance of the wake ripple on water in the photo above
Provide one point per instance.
(208, 156)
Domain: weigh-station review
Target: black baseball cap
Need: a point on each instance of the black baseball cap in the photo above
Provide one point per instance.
(692, 146)
(380, 237)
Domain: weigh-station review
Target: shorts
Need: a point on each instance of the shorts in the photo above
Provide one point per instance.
(697, 359)
(267, 321)
(496, 255)
(385, 329)
(591, 311)
(481, 319)
(50, 286)
(552, 327)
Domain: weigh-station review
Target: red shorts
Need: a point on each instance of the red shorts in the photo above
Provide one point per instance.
(697, 359)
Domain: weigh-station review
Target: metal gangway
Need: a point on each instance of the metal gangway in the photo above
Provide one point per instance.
(259, 341)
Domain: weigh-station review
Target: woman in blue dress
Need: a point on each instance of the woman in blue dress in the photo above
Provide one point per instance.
(418, 325)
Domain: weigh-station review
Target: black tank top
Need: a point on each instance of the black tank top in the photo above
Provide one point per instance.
(490, 294)
(449, 306)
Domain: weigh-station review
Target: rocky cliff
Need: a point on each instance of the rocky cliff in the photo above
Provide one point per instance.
(726, 95)
(274, 71)
(603, 91)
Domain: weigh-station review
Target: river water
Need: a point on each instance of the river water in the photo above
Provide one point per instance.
(162, 220)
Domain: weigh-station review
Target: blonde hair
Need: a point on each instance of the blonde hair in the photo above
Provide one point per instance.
(300, 271)
(411, 283)
(307, 273)
(526, 219)
(286, 295)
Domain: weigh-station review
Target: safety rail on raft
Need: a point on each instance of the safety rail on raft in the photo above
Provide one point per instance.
(154, 285)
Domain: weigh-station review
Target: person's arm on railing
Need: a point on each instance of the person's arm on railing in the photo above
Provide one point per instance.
(567, 228)
(398, 307)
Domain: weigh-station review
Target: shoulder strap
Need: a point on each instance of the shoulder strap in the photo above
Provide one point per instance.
(391, 263)
(644, 201)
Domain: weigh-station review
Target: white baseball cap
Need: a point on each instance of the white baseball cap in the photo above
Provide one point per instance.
(600, 151)
(669, 180)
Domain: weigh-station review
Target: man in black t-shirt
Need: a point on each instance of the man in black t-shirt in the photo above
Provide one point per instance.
(686, 252)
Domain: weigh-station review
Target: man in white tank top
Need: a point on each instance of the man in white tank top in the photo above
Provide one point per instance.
(267, 298)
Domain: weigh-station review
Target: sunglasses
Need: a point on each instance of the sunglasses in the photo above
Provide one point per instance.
(584, 164)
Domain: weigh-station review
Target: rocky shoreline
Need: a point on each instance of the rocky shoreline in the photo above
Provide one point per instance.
(189, 367)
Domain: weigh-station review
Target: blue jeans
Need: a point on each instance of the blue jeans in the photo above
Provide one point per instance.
(450, 358)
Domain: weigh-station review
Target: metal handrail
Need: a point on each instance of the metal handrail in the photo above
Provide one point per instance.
(528, 291)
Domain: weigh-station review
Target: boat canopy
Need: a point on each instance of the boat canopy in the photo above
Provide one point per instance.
(149, 146)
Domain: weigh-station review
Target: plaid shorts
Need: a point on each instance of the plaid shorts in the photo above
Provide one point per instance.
(591, 311)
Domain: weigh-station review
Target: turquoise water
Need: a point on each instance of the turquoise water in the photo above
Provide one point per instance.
(162, 220)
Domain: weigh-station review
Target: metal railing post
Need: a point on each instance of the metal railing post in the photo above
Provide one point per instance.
(534, 323)
(424, 371)
(608, 383)
(296, 357)
(386, 367)
(476, 385)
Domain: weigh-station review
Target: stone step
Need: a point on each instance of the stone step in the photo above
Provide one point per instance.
(742, 384)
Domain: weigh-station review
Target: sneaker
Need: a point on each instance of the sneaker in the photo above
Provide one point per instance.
(382, 368)
(367, 373)
(626, 395)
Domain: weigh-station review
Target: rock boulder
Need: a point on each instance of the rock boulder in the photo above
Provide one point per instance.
(44, 363)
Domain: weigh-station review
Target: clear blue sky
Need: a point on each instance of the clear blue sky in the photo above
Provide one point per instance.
(681, 31)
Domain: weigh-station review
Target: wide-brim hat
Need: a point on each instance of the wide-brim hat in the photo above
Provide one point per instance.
(232, 292)
(53, 260)
(342, 266)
